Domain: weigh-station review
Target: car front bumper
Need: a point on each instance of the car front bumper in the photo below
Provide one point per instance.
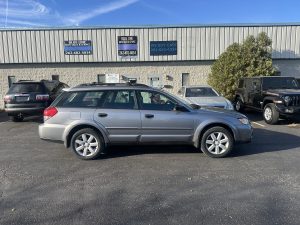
(244, 134)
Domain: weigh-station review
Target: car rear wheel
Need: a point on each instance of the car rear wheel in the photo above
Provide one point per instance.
(271, 115)
(87, 144)
(217, 142)
(239, 105)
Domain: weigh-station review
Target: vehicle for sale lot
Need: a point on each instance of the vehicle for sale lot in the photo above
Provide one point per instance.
(27, 98)
(274, 96)
(90, 117)
(204, 96)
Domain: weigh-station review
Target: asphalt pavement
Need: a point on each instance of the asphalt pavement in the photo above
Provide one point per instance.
(44, 183)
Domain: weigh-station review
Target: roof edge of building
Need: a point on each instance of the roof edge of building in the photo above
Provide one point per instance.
(149, 26)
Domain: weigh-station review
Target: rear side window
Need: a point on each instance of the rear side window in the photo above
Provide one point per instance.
(81, 99)
(26, 88)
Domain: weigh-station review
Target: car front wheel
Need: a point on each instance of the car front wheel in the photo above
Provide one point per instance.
(217, 142)
(87, 144)
(271, 115)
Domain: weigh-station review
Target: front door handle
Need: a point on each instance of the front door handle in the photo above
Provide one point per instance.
(149, 115)
(102, 114)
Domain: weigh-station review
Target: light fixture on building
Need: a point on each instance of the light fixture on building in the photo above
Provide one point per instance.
(169, 77)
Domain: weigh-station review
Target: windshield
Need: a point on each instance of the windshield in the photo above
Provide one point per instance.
(200, 92)
(280, 83)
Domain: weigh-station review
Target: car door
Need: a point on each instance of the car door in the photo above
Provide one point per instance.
(119, 115)
(255, 93)
(160, 122)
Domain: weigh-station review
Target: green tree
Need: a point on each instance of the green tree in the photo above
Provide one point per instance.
(249, 59)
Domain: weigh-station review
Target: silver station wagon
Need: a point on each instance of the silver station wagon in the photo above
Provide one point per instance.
(90, 117)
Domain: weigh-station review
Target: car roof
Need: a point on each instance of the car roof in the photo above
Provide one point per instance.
(258, 77)
(197, 86)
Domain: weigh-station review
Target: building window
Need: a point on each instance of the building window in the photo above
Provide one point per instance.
(101, 78)
(185, 79)
(11, 80)
(55, 77)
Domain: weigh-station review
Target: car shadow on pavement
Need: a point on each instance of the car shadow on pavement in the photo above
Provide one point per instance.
(267, 141)
(263, 141)
(123, 151)
(36, 119)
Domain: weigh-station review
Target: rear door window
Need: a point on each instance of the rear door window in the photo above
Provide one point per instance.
(121, 99)
(26, 88)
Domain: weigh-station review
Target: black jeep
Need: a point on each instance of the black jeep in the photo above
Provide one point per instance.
(277, 97)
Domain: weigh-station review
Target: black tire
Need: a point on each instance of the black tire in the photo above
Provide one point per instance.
(207, 137)
(270, 114)
(18, 118)
(239, 105)
(89, 132)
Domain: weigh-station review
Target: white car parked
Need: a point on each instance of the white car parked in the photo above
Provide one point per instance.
(204, 96)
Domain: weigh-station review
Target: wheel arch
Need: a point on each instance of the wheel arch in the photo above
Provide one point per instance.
(72, 130)
(202, 128)
(267, 101)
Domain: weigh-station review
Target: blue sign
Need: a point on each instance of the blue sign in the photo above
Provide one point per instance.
(163, 48)
(78, 47)
(127, 46)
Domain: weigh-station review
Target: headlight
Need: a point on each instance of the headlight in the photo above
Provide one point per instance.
(229, 105)
(244, 121)
(287, 99)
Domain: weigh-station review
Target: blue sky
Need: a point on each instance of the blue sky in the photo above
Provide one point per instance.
(43, 13)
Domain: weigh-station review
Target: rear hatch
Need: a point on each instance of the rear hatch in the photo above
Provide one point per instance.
(29, 94)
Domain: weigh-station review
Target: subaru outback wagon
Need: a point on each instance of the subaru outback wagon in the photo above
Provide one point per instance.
(90, 117)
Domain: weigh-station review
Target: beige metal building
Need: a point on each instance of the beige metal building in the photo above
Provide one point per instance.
(173, 55)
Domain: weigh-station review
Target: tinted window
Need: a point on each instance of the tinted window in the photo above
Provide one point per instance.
(156, 101)
(120, 100)
(280, 83)
(81, 99)
(26, 88)
(200, 92)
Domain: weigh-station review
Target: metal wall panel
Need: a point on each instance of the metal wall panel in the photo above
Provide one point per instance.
(193, 43)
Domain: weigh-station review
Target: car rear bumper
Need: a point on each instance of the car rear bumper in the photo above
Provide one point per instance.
(52, 132)
(25, 111)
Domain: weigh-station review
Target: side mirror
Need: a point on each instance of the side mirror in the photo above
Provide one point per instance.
(194, 106)
(180, 108)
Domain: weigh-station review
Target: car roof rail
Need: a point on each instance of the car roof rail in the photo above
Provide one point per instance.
(112, 84)
(25, 80)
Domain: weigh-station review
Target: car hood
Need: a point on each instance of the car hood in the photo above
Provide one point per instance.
(221, 112)
(208, 101)
(278, 92)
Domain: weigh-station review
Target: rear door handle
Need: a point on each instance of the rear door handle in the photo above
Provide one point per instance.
(149, 115)
(102, 114)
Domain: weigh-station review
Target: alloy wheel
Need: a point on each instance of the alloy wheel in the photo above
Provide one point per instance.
(268, 113)
(86, 145)
(217, 143)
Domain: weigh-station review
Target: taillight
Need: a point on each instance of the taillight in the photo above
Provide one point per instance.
(42, 97)
(49, 113)
(7, 99)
